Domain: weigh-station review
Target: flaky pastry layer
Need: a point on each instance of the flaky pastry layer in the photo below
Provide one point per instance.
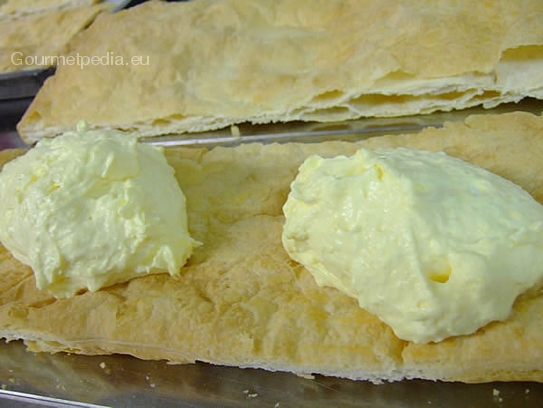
(240, 301)
(14, 9)
(36, 40)
(203, 65)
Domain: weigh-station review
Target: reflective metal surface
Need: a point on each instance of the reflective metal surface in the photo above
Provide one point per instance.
(123, 381)
(23, 84)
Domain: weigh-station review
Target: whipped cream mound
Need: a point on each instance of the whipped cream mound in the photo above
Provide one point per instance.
(432, 245)
(89, 209)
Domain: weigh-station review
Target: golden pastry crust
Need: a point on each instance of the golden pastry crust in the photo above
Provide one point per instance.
(209, 64)
(42, 37)
(242, 301)
(13, 9)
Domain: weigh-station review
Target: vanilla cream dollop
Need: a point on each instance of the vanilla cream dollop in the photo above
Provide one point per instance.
(92, 208)
(432, 245)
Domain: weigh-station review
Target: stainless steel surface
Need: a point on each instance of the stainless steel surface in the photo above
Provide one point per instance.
(122, 381)
(22, 84)
(10, 140)
(31, 380)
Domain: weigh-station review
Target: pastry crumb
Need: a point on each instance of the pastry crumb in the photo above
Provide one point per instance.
(496, 394)
(104, 367)
(236, 134)
(250, 394)
(148, 379)
(306, 376)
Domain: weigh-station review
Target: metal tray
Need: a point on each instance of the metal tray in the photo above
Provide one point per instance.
(62, 380)
(122, 381)
(22, 84)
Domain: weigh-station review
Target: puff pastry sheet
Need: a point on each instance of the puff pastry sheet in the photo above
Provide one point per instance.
(241, 301)
(14, 9)
(203, 65)
(34, 40)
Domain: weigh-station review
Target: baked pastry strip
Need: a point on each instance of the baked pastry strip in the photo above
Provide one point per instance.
(240, 301)
(204, 65)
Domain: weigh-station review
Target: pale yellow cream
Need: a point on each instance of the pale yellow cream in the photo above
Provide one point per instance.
(89, 209)
(432, 245)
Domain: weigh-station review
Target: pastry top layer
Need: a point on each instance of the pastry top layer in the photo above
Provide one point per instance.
(13, 9)
(196, 66)
(37, 40)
